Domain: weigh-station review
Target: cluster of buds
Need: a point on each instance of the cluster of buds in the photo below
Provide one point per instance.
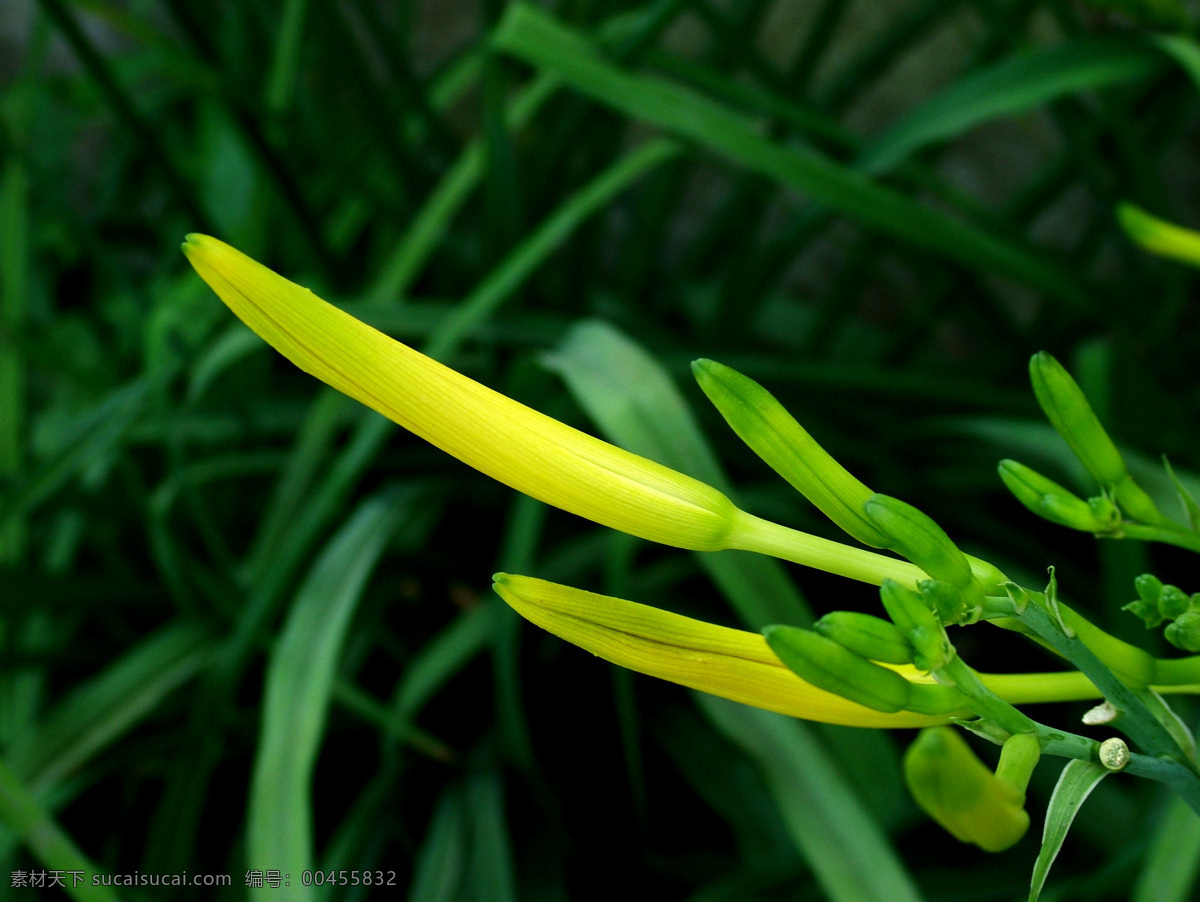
(850, 668)
(1158, 603)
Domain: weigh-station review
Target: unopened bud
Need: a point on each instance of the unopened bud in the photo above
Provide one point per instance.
(834, 668)
(872, 637)
(1184, 633)
(958, 791)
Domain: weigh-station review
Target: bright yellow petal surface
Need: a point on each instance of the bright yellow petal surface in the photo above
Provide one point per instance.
(506, 440)
(733, 664)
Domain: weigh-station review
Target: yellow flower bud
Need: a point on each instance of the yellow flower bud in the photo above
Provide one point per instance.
(730, 663)
(955, 788)
(496, 435)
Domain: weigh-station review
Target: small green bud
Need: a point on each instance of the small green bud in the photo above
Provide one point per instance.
(916, 536)
(1105, 512)
(937, 699)
(1050, 500)
(957, 790)
(907, 608)
(943, 598)
(1072, 416)
(933, 648)
(1148, 587)
(872, 637)
(834, 668)
(1173, 601)
(774, 435)
(1184, 633)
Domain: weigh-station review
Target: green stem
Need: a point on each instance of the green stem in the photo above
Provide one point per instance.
(984, 702)
(1177, 674)
(751, 533)
(1168, 533)
(1137, 721)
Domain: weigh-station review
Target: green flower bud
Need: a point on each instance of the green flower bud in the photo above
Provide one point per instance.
(907, 608)
(954, 787)
(1072, 416)
(932, 648)
(834, 668)
(943, 598)
(937, 699)
(1148, 586)
(1173, 601)
(1105, 512)
(1050, 500)
(872, 637)
(1184, 633)
(774, 435)
(916, 536)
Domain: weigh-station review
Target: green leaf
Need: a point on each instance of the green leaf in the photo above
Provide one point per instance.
(1012, 86)
(299, 683)
(1190, 506)
(1173, 860)
(851, 857)
(531, 35)
(1075, 784)
(109, 704)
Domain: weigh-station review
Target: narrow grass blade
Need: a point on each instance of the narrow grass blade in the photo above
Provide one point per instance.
(851, 857)
(299, 683)
(51, 846)
(442, 657)
(109, 704)
(637, 405)
(492, 876)
(547, 238)
(1075, 784)
(85, 444)
(1014, 85)
(534, 37)
(282, 79)
(441, 865)
(14, 286)
(1173, 861)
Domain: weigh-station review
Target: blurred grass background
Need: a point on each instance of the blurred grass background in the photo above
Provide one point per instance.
(247, 624)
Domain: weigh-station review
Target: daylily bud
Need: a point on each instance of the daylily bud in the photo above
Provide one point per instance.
(957, 790)
(1184, 633)
(1160, 236)
(1148, 587)
(872, 637)
(907, 608)
(774, 435)
(733, 664)
(916, 536)
(496, 435)
(943, 598)
(1173, 601)
(1072, 416)
(1050, 500)
(836, 669)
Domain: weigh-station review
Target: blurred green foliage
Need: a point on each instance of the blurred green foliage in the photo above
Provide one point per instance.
(246, 624)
